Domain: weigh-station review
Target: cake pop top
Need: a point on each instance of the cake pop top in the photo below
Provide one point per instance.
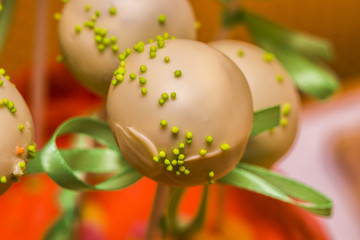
(270, 85)
(96, 35)
(16, 134)
(183, 117)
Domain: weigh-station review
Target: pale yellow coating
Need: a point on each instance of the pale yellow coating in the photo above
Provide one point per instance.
(212, 99)
(134, 21)
(11, 137)
(267, 89)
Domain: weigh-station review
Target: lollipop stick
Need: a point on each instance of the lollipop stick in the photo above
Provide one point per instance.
(161, 197)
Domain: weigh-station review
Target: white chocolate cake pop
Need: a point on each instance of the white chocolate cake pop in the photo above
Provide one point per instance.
(181, 112)
(16, 134)
(270, 85)
(96, 35)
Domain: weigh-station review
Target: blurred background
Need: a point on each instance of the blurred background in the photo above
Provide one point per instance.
(325, 156)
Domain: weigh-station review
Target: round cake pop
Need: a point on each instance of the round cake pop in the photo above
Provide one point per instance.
(96, 35)
(16, 134)
(270, 85)
(181, 112)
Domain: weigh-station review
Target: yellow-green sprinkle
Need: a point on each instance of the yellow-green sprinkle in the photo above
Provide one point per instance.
(152, 54)
(177, 73)
(211, 181)
(181, 146)
(112, 10)
(161, 44)
(162, 19)
(269, 57)
(115, 48)
(203, 152)
(132, 76)
(279, 78)
(174, 162)
(3, 179)
(22, 164)
(113, 39)
(286, 107)
(175, 130)
(284, 122)
(161, 101)
(241, 53)
(88, 7)
(78, 28)
(211, 174)
(163, 123)
(182, 169)
(167, 162)
(21, 127)
(144, 91)
(162, 154)
(225, 147)
(143, 68)
(142, 80)
(209, 139)
(165, 96)
(170, 168)
(181, 156)
(173, 95)
(57, 16)
(166, 59)
(187, 172)
(153, 49)
(189, 135)
(156, 159)
(176, 151)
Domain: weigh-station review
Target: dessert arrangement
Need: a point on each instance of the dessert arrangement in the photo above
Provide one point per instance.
(180, 112)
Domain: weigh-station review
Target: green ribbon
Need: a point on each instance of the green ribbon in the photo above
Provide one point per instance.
(5, 19)
(268, 183)
(63, 166)
(265, 119)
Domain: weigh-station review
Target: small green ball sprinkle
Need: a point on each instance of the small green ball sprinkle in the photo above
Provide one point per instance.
(189, 135)
(1, 83)
(7, 77)
(161, 101)
(162, 154)
(3, 179)
(106, 41)
(269, 57)
(174, 162)
(13, 110)
(151, 40)
(101, 47)
(114, 82)
(176, 151)
(57, 16)
(181, 146)
(152, 54)
(197, 25)
(113, 39)
(142, 80)
(178, 173)
(165, 96)
(2, 71)
(112, 10)
(166, 36)
(225, 147)
(88, 7)
(175, 130)
(161, 44)
(209, 139)
(177, 73)
(115, 48)
(170, 168)
(5, 101)
(90, 25)
(97, 13)
(188, 141)
(173, 38)
(211, 174)
(173, 95)
(78, 28)
(141, 49)
(284, 122)
(279, 78)
(143, 68)
(203, 152)
(132, 76)
(182, 169)
(187, 172)
(11, 105)
(122, 63)
(144, 91)
(167, 162)
(163, 123)
(286, 107)
(103, 31)
(59, 59)
(98, 38)
(241, 53)
(159, 38)
(180, 162)
(122, 57)
(181, 156)
(162, 19)
(121, 70)
(128, 52)
(211, 181)
(153, 49)
(120, 77)
(156, 159)
(167, 59)
(21, 127)
(22, 164)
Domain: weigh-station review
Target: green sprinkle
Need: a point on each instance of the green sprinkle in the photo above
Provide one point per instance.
(11, 105)
(167, 162)
(115, 48)
(209, 139)
(225, 147)
(122, 63)
(106, 41)
(163, 123)
(174, 162)
(2, 71)
(166, 36)
(182, 169)
(1, 83)
(188, 141)
(122, 57)
(203, 152)
(13, 110)
(22, 164)
(7, 77)
(143, 68)
(88, 7)
(151, 40)
(103, 31)
(177, 73)
(187, 172)
(161, 44)
(153, 49)
(121, 70)
(113, 39)
(159, 38)
(90, 25)
(166, 59)
(173, 38)
(178, 173)
(98, 38)
(176, 151)
(241, 53)
(144, 91)
(156, 159)
(128, 52)
(286, 107)
(181, 146)
(3, 179)
(5, 101)
(21, 127)
(120, 77)
(189, 135)
(142, 80)
(161, 101)
(152, 54)
(78, 28)
(175, 130)
(197, 25)
(173, 95)
(284, 122)
(165, 96)
(269, 57)
(97, 13)
(162, 154)
(180, 162)
(112, 10)
(162, 19)
(211, 181)
(57, 16)
(279, 78)
(169, 168)
(211, 174)
(101, 47)
(114, 82)
(181, 156)
(132, 76)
